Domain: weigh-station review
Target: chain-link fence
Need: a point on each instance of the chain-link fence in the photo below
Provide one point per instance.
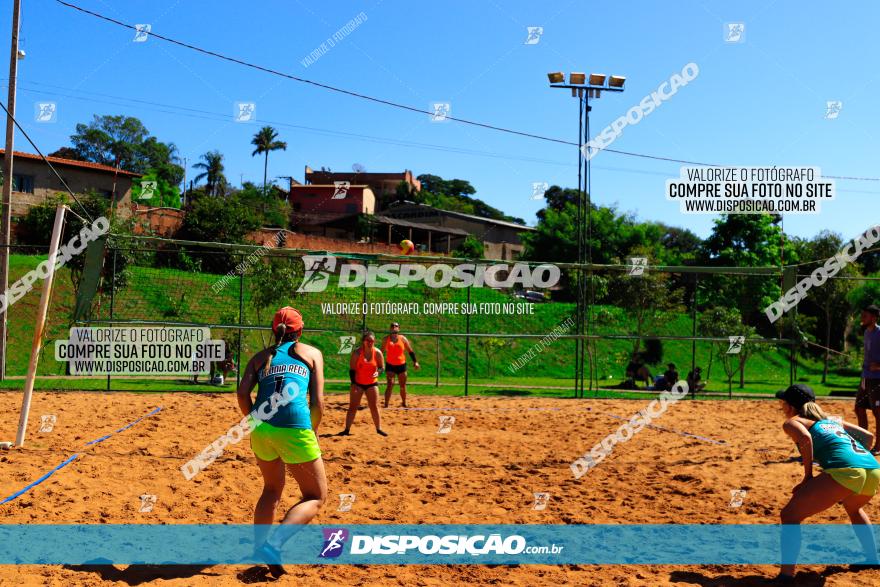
(485, 327)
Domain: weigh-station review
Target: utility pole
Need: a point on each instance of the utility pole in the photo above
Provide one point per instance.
(6, 220)
(289, 179)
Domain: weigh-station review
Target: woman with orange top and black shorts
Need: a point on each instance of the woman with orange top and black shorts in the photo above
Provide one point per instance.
(364, 366)
(394, 346)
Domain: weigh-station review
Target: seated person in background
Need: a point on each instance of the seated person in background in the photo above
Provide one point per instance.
(637, 372)
(660, 383)
(224, 367)
(643, 374)
(693, 380)
(220, 369)
(670, 377)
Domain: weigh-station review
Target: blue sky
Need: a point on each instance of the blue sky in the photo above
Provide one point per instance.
(759, 102)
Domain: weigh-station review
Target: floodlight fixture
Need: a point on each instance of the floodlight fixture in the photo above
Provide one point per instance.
(556, 77)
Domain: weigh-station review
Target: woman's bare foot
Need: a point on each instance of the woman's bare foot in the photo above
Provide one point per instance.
(272, 557)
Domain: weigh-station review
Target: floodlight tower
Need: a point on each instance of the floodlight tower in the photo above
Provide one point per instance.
(584, 89)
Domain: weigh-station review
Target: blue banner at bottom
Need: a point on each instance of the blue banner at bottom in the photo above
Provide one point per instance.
(441, 544)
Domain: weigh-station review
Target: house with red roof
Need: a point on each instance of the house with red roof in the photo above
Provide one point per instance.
(33, 181)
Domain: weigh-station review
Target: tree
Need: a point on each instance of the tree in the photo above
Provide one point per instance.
(212, 172)
(270, 284)
(273, 211)
(403, 192)
(747, 350)
(36, 229)
(554, 237)
(602, 317)
(679, 245)
(610, 232)
(643, 296)
(455, 195)
(490, 346)
(265, 141)
(217, 220)
(124, 141)
(365, 228)
(214, 220)
(470, 248)
(162, 161)
(36, 225)
(111, 140)
(653, 353)
(67, 153)
(865, 294)
(556, 198)
(721, 322)
(831, 297)
(870, 262)
(165, 195)
(745, 240)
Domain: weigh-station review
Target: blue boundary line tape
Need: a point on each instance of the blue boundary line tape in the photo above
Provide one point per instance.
(74, 457)
(126, 427)
(40, 480)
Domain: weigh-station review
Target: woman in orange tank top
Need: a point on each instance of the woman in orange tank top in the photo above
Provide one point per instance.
(364, 366)
(394, 350)
(395, 346)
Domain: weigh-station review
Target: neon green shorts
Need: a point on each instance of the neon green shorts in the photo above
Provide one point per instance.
(860, 481)
(291, 445)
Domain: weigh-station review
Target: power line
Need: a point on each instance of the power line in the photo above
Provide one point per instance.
(821, 261)
(52, 167)
(193, 113)
(311, 82)
(220, 117)
(216, 116)
(196, 113)
(397, 104)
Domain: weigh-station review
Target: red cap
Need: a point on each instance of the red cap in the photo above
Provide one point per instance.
(288, 316)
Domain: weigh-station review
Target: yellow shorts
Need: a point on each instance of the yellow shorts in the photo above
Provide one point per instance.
(291, 445)
(860, 481)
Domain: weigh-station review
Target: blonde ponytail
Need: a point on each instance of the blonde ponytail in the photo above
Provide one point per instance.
(812, 411)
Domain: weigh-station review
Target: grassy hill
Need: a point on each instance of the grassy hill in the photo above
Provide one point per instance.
(175, 295)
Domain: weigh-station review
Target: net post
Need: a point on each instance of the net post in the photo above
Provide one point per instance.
(364, 299)
(41, 324)
(112, 300)
(694, 333)
(467, 342)
(240, 322)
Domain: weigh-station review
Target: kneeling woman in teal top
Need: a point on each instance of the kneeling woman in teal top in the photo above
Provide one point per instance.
(850, 473)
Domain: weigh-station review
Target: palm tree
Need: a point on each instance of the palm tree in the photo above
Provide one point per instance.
(212, 166)
(265, 141)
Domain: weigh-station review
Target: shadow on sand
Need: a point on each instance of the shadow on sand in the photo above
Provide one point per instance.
(139, 574)
(803, 578)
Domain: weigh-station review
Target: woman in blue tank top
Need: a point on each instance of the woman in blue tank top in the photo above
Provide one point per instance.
(285, 416)
(850, 473)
